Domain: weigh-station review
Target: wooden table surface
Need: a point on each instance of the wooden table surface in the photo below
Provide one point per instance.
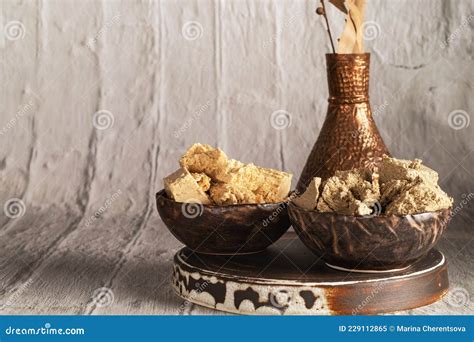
(56, 262)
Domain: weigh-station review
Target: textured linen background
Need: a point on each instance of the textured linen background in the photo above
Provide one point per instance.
(100, 98)
(172, 73)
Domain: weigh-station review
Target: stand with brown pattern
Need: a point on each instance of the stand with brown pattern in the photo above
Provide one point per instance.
(287, 279)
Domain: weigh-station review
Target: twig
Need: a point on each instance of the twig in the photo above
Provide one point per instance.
(327, 24)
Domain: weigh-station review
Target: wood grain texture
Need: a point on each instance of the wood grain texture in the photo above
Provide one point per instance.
(90, 220)
(62, 279)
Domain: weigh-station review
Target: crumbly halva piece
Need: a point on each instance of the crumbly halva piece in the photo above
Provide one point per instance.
(309, 199)
(374, 179)
(244, 175)
(275, 185)
(408, 170)
(353, 192)
(227, 194)
(422, 196)
(203, 180)
(234, 165)
(262, 180)
(409, 187)
(362, 184)
(323, 206)
(229, 181)
(338, 197)
(344, 204)
(403, 187)
(202, 158)
(252, 184)
(392, 189)
(183, 187)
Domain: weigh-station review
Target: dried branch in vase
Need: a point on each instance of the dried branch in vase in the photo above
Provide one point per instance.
(340, 5)
(351, 40)
(322, 11)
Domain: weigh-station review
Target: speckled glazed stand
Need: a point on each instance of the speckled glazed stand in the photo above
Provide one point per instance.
(287, 279)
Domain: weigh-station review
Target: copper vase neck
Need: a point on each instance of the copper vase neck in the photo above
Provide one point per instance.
(348, 77)
(349, 137)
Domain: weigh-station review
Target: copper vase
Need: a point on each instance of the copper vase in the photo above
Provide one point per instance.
(349, 137)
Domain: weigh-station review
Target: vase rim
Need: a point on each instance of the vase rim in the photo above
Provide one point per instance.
(348, 54)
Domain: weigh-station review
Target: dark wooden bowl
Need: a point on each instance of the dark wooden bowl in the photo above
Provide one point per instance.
(368, 243)
(224, 230)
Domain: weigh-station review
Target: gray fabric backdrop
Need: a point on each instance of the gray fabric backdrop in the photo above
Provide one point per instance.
(171, 73)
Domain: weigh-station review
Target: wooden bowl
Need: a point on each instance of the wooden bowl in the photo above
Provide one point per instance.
(224, 230)
(368, 243)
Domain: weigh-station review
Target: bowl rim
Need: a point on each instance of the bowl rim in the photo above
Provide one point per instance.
(162, 194)
(296, 207)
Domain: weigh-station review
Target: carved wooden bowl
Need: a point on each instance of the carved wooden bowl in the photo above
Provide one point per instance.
(368, 243)
(224, 230)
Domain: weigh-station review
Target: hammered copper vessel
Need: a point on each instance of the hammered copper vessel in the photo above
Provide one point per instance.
(349, 137)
